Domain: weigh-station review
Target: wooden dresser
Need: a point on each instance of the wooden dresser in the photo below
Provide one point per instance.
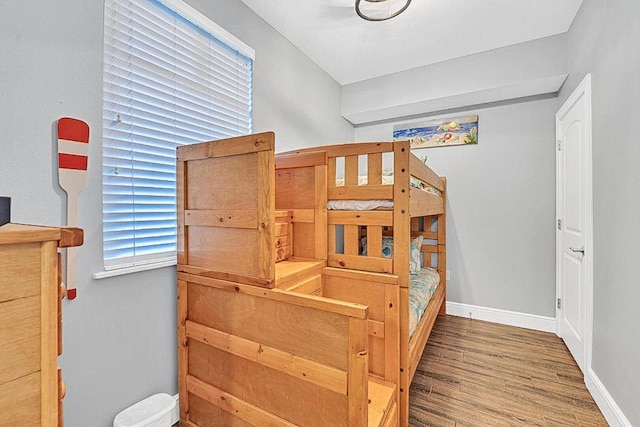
(31, 387)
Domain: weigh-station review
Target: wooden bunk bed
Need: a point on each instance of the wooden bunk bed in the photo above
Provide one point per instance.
(385, 171)
(276, 326)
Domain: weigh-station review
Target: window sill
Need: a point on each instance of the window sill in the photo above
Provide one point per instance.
(128, 270)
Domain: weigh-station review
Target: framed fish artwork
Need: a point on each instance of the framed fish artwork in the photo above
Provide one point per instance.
(439, 132)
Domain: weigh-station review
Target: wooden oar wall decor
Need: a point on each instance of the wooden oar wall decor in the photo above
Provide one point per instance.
(73, 155)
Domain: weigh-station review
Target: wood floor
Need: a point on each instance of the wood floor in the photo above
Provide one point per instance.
(475, 373)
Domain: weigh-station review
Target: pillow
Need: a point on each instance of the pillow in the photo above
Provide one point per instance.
(415, 256)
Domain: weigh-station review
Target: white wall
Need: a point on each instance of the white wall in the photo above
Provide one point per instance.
(120, 333)
(501, 207)
(604, 40)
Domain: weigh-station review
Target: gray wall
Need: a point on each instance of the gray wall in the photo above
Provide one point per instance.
(292, 95)
(605, 40)
(119, 334)
(501, 207)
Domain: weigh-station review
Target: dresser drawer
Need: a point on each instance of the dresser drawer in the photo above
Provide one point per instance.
(20, 401)
(19, 338)
(20, 270)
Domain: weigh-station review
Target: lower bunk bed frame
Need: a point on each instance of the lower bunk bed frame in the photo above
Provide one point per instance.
(274, 327)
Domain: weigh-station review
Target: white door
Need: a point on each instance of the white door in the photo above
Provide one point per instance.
(574, 242)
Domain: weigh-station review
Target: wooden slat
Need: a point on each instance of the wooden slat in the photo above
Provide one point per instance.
(338, 307)
(233, 405)
(302, 160)
(381, 218)
(266, 211)
(431, 235)
(351, 171)
(306, 216)
(49, 333)
(331, 239)
(300, 402)
(331, 172)
(360, 192)
(423, 203)
(310, 286)
(365, 276)
(222, 218)
(290, 364)
(206, 414)
(183, 349)
(374, 169)
(228, 147)
(392, 333)
(356, 262)
(181, 206)
(403, 383)
(350, 149)
(374, 240)
(320, 234)
(431, 249)
(401, 225)
(425, 173)
(358, 384)
(351, 239)
(220, 275)
(442, 248)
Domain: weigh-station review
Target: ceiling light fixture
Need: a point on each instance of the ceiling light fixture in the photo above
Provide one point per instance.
(380, 10)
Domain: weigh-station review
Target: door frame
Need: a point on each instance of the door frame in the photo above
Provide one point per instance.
(583, 89)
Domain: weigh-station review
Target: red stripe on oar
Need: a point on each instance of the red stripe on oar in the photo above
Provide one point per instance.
(71, 161)
(73, 130)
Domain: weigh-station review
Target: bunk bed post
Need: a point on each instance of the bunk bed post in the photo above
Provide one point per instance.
(402, 233)
(321, 211)
(183, 350)
(266, 211)
(357, 388)
(181, 206)
(442, 247)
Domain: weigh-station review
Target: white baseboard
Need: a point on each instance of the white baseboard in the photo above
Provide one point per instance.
(495, 315)
(175, 415)
(609, 408)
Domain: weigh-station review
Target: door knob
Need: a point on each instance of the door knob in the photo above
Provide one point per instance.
(577, 250)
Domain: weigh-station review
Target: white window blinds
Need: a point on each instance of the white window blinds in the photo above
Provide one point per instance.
(171, 77)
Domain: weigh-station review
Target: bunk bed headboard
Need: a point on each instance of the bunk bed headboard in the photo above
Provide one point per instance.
(225, 190)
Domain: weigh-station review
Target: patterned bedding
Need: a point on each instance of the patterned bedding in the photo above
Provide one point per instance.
(422, 286)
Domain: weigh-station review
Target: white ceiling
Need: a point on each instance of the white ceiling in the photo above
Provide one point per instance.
(429, 31)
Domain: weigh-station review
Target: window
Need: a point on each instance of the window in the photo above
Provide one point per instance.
(171, 77)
